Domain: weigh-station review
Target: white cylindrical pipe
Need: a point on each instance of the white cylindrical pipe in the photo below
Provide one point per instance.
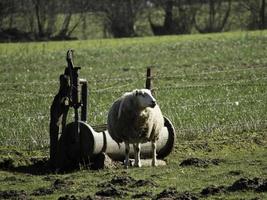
(89, 143)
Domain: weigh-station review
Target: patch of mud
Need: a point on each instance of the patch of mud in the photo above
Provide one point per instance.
(262, 187)
(213, 190)
(73, 197)
(118, 181)
(119, 186)
(244, 184)
(167, 193)
(187, 196)
(62, 184)
(111, 192)
(141, 183)
(42, 191)
(122, 181)
(13, 194)
(197, 162)
(143, 195)
(171, 193)
(7, 163)
(58, 184)
(69, 197)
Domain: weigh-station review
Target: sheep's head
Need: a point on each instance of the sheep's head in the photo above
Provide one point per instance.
(145, 98)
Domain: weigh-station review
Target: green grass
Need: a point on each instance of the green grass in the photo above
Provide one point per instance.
(212, 87)
(199, 79)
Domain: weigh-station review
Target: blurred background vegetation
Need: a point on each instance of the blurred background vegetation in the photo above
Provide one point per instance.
(41, 20)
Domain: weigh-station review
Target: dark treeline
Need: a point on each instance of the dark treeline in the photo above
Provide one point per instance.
(26, 20)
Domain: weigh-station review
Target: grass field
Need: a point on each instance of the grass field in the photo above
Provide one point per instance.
(212, 87)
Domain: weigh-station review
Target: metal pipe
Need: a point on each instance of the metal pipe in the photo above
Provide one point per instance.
(93, 143)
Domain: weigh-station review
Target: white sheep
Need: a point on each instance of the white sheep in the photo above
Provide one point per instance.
(135, 118)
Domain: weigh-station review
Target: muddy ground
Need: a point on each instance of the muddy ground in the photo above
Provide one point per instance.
(118, 187)
(123, 186)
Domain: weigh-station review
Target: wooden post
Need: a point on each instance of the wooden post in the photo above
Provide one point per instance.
(149, 79)
(84, 94)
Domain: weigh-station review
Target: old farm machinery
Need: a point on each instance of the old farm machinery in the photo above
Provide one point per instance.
(78, 143)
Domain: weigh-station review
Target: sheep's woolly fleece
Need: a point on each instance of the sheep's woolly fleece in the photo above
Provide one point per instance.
(135, 118)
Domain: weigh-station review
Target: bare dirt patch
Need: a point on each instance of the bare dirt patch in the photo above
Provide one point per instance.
(127, 181)
(111, 192)
(171, 193)
(243, 184)
(213, 190)
(122, 180)
(42, 191)
(143, 195)
(118, 181)
(58, 184)
(61, 184)
(119, 186)
(167, 193)
(197, 162)
(6, 164)
(73, 197)
(13, 194)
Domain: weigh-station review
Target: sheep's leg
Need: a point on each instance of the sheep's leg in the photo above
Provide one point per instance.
(154, 153)
(127, 151)
(137, 150)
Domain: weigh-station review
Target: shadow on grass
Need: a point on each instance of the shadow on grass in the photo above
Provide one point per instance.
(34, 166)
(37, 166)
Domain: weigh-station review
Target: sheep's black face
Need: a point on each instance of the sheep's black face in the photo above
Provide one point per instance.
(145, 98)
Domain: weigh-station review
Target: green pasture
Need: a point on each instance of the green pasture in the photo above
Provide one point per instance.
(204, 83)
(212, 87)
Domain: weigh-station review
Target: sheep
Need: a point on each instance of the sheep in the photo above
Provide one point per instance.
(135, 118)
